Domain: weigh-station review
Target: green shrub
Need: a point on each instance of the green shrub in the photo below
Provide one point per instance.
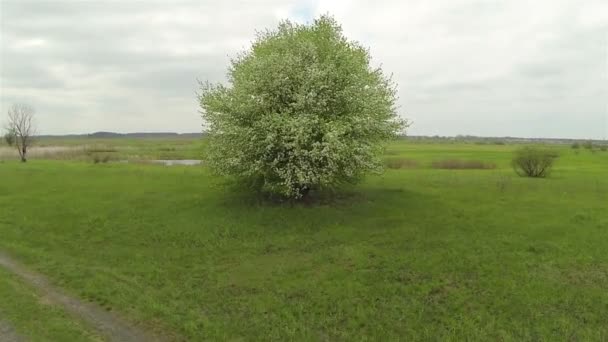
(10, 136)
(575, 145)
(588, 145)
(604, 148)
(533, 162)
(101, 158)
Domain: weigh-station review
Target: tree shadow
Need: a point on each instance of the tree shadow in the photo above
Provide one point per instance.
(390, 198)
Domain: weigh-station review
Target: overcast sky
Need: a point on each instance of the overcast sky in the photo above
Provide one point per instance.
(481, 67)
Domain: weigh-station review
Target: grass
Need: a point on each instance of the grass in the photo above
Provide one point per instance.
(414, 254)
(401, 163)
(37, 320)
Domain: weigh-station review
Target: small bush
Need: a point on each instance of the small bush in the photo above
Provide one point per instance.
(401, 163)
(462, 164)
(9, 137)
(533, 162)
(576, 146)
(604, 148)
(588, 145)
(101, 158)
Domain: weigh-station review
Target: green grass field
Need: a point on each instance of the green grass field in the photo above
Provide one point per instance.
(417, 253)
(37, 320)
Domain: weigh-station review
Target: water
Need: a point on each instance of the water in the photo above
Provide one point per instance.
(171, 162)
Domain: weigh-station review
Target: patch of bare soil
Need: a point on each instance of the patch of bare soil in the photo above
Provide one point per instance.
(7, 333)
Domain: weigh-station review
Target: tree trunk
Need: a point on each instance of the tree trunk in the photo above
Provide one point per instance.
(303, 190)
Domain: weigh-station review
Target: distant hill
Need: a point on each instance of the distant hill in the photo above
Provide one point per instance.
(105, 135)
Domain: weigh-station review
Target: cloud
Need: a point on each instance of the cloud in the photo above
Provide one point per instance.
(491, 67)
(487, 67)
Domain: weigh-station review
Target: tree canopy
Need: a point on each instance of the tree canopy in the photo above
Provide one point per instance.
(304, 109)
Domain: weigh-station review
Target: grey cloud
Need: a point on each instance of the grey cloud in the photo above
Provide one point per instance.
(492, 67)
(121, 65)
(463, 66)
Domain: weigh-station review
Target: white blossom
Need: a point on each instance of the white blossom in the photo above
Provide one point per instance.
(304, 110)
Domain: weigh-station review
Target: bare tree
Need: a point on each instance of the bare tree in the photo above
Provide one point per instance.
(21, 122)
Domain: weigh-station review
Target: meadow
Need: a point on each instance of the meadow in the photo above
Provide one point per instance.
(447, 244)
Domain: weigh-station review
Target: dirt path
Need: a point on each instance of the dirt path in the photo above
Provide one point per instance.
(7, 333)
(107, 324)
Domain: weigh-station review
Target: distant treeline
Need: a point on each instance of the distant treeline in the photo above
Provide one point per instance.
(127, 135)
(496, 140)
